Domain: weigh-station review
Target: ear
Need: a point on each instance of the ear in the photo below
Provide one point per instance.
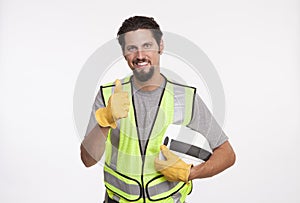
(161, 46)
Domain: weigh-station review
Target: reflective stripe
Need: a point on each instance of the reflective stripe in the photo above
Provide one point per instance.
(184, 100)
(161, 187)
(130, 189)
(189, 101)
(117, 198)
(176, 197)
(179, 104)
(114, 139)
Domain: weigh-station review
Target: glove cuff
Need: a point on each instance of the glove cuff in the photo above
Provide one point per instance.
(184, 173)
(104, 118)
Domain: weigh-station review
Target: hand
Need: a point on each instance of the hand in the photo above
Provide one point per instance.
(117, 108)
(173, 168)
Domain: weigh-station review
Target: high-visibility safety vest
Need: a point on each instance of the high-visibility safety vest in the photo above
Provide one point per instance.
(129, 172)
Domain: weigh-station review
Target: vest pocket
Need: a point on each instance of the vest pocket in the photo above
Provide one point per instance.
(122, 185)
(160, 188)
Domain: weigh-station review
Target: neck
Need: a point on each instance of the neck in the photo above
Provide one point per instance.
(150, 85)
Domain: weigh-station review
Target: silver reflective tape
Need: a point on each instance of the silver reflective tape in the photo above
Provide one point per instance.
(117, 198)
(161, 188)
(115, 139)
(121, 185)
(179, 104)
(176, 197)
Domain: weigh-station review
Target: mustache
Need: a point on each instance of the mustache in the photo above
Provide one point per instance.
(136, 61)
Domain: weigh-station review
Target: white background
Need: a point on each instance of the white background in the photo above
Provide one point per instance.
(254, 46)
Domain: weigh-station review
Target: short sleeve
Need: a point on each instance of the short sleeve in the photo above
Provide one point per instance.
(98, 103)
(203, 122)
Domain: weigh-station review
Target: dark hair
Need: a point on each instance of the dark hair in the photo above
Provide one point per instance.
(139, 22)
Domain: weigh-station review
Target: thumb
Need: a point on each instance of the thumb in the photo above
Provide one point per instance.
(166, 152)
(118, 86)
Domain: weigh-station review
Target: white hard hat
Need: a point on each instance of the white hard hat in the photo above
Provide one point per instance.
(191, 146)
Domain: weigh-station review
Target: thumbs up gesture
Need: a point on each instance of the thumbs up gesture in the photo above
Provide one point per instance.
(117, 107)
(119, 102)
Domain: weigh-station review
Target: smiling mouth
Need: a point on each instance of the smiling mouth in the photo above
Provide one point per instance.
(141, 63)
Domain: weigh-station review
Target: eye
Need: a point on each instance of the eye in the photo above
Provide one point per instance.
(131, 48)
(147, 45)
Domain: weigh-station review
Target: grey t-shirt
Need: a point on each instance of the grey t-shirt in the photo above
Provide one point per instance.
(146, 105)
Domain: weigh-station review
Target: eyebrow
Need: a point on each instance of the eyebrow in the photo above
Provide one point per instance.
(133, 45)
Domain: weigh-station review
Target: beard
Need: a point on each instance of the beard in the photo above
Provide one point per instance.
(142, 75)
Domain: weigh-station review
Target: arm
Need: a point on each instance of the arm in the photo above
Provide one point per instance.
(222, 158)
(101, 120)
(223, 155)
(93, 145)
(174, 169)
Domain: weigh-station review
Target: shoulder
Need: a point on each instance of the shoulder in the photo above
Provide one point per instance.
(179, 85)
(124, 81)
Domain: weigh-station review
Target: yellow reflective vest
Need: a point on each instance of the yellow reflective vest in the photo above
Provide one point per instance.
(129, 172)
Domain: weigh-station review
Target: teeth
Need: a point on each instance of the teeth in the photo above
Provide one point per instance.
(142, 64)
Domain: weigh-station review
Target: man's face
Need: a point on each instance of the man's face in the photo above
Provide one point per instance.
(141, 52)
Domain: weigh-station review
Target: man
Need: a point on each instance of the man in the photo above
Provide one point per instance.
(129, 119)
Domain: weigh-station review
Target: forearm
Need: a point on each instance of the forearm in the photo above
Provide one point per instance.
(222, 158)
(93, 146)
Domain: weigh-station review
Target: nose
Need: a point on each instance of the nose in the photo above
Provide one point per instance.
(140, 54)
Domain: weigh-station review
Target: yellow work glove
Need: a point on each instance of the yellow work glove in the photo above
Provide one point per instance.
(173, 168)
(117, 107)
